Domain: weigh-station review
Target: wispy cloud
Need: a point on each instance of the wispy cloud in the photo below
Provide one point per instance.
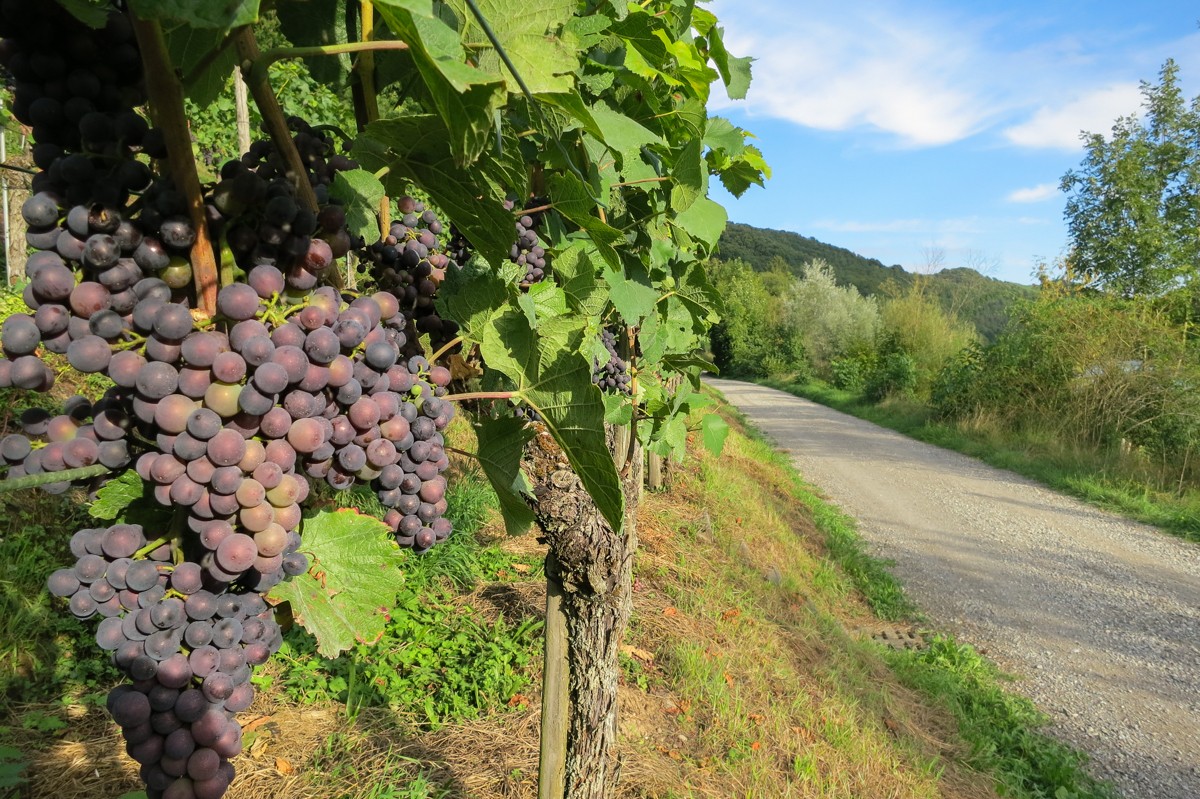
(1059, 126)
(861, 67)
(931, 74)
(1034, 194)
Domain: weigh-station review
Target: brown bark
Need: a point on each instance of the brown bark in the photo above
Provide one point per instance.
(593, 563)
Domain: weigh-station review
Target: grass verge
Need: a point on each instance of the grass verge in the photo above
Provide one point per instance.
(746, 672)
(1084, 474)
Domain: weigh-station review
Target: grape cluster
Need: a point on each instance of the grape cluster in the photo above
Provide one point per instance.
(613, 374)
(527, 250)
(82, 435)
(187, 651)
(228, 420)
(255, 206)
(77, 89)
(410, 262)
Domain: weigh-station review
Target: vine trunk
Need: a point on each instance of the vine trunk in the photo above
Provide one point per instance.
(593, 565)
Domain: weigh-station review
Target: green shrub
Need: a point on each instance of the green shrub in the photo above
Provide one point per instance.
(895, 375)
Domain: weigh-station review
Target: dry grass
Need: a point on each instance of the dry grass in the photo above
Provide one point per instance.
(740, 681)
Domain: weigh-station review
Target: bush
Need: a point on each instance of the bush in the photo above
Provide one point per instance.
(849, 374)
(895, 375)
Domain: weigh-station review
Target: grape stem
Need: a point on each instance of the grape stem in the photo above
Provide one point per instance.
(14, 168)
(446, 348)
(480, 395)
(364, 65)
(166, 105)
(280, 53)
(46, 478)
(153, 545)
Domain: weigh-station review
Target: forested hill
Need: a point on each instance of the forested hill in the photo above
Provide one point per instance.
(983, 300)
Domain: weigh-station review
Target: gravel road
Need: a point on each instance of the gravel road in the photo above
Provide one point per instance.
(1098, 616)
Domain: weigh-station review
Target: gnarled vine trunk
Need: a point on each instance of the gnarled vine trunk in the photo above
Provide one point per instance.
(593, 566)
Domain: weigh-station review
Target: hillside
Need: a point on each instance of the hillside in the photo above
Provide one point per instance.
(981, 299)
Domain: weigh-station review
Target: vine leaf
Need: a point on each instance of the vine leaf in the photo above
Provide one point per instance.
(118, 494)
(713, 430)
(501, 442)
(735, 72)
(416, 148)
(188, 46)
(317, 23)
(577, 272)
(528, 32)
(466, 98)
(359, 192)
(353, 578)
(221, 14)
(704, 220)
(90, 15)
(553, 378)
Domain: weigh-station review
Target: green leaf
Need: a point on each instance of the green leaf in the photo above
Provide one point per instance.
(573, 199)
(352, 581)
(501, 442)
(91, 15)
(318, 23)
(721, 134)
(417, 149)
(632, 299)
(360, 192)
(221, 14)
(735, 72)
(618, 409)
(620, 132)
(543, 301)
(713, 430)
(690, 176)
(465, 97)
(576, 270)
(528, 32)
(472, 297)
(553, 378)
(704, 220)
(118, 494)
(188, 46)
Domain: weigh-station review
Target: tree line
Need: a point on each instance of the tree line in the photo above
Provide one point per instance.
(1101, 357)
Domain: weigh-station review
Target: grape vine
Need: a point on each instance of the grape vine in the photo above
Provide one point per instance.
(233, 405)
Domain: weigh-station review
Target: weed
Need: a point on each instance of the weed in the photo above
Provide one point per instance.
(1002, 727)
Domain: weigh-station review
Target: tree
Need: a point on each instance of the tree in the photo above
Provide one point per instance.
(1134, 205)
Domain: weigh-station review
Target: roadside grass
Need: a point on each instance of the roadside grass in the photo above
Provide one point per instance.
(1002, 731)
(1113, 481)
(744, 672)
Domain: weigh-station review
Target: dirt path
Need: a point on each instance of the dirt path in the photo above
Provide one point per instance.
(1099, 616)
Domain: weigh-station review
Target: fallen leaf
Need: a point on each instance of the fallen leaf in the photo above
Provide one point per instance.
(670, 611)
(284, 767)
(756, 746)
(728, 679)
(732, 613)
(255, 723)
(518, 699)
(681, 707)
(757, 718)
(639, 654)
(522, 568)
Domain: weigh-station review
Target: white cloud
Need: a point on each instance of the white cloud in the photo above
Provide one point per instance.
(941, 227)
(1034, 194)
(1059, 126)
(858, 66)
(931, 74)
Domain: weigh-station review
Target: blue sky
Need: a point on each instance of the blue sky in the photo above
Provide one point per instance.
(930, 133)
